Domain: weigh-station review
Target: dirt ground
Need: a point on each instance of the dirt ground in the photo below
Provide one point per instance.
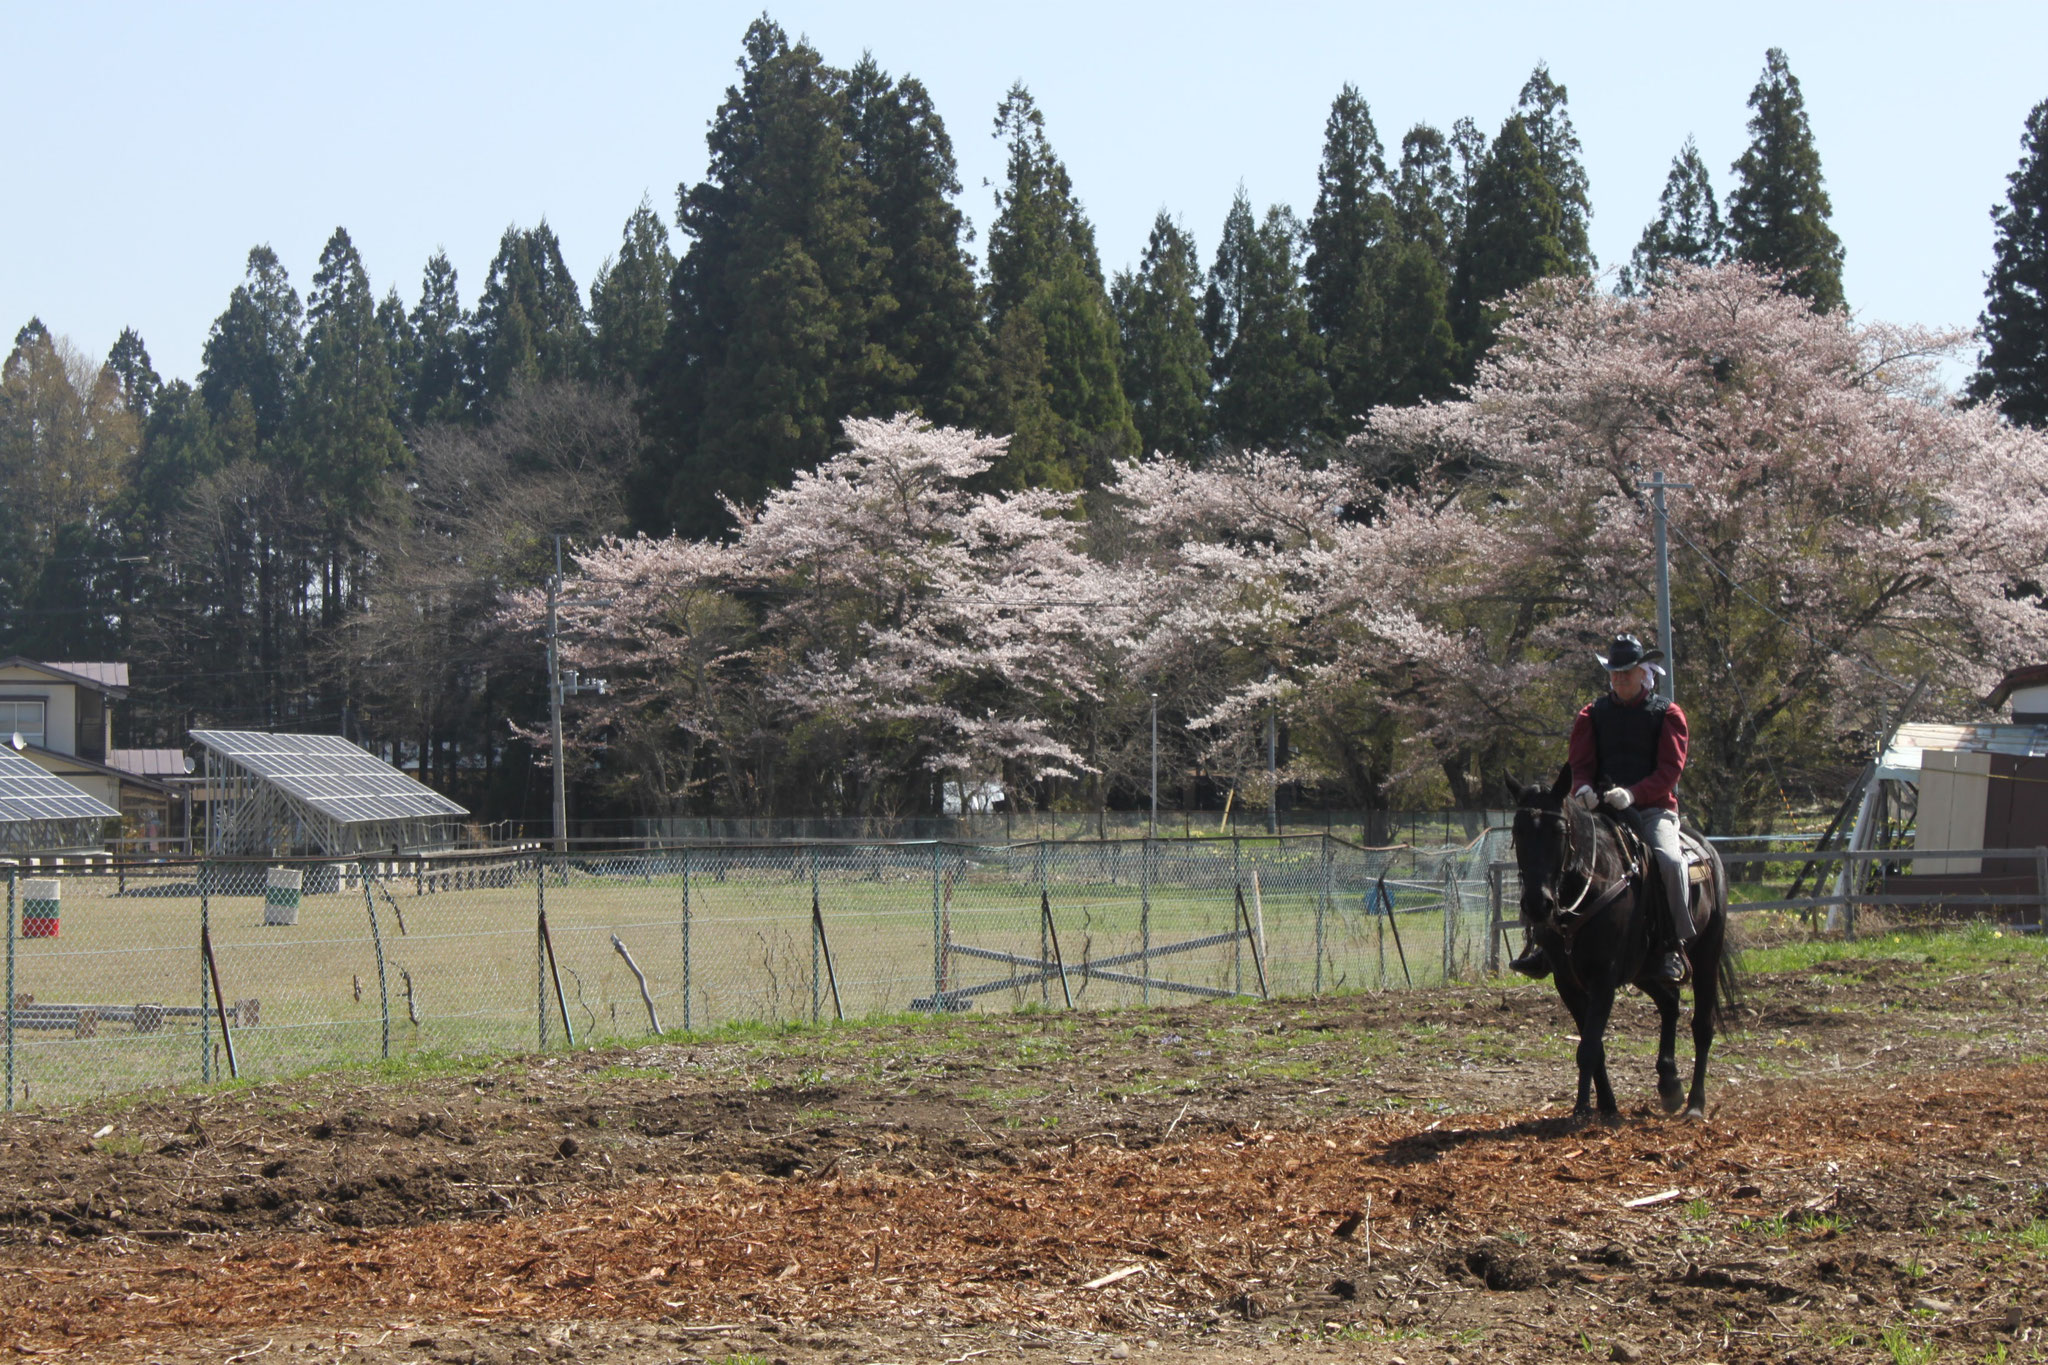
(1376, 1177)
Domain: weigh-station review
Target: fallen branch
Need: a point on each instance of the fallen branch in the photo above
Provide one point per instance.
(1103, 1282)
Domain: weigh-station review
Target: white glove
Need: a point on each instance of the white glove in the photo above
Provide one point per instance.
(1586, 797)
(1618, 798)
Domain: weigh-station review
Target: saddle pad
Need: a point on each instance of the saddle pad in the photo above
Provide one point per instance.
(1698, 869)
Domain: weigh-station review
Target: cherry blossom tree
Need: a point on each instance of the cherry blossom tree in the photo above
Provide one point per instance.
(1848, 528)
(1425, 609)
(879, 627)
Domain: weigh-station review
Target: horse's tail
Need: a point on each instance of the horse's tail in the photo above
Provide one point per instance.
(1729, 978)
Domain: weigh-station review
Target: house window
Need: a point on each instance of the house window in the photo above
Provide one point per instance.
(24, 718)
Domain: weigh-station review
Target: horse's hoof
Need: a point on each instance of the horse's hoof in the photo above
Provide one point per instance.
(1610, 1118)
(1696, 1114)
(1673, 1099)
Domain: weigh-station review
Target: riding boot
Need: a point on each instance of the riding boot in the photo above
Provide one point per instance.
(1674, 966)
(1532, 961)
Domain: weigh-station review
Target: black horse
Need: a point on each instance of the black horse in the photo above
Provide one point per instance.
(1584, 905)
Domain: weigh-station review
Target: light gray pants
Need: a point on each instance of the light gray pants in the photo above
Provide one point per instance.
(1660, 831)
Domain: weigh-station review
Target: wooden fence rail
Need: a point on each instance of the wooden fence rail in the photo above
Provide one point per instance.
(1504, 922)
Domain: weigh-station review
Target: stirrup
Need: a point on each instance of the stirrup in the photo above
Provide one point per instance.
(1532, 962)
(1674, 968)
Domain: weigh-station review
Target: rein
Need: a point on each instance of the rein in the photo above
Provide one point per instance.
(1568, 920)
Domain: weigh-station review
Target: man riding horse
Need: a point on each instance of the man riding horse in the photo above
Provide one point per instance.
(1627, 751)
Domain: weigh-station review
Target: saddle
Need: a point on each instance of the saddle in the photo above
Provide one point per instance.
(1699, 858)
(1699, 861)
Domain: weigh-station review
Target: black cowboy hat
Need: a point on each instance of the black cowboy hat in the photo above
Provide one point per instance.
(1626, 652)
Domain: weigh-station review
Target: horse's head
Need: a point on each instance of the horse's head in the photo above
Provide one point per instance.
(1543, 839)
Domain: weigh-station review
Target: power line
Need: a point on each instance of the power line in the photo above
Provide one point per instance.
(1765, 607)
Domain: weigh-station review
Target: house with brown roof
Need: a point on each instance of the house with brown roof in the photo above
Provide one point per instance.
(60, 716)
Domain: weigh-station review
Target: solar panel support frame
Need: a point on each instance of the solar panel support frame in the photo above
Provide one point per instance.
(250, 815)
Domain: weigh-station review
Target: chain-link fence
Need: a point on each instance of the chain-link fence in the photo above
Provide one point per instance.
(126, 976)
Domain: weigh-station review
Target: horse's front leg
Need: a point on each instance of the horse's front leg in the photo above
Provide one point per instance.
(1593, 1018)
(1575, 1003)
(1582, 1014)
(1669, 1093)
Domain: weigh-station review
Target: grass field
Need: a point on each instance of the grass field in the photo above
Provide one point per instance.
(727, 939)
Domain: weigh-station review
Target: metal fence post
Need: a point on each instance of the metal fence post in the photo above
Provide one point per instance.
(1237, 945)
(938, 944)
(1322, 912)
(11, 875)
(1496, 881)
(383, 986)
(1145, 923)
(540, 949)
(817, 928)
(686, 940)
(205, 1023)
(1044, 927)
(1450, 916)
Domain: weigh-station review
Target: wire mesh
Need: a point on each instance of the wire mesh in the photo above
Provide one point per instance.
(127, 976)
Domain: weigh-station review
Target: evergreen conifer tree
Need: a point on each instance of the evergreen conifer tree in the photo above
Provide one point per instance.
(178, 450)
(1349, 235)
(439, 392)
(1426, 208)
(629, 300)
(1687, 227)
(1548, 122)
(350, 398)
(1165, 365)
(530, 324)
(926, 329)
(1421, 349)
(769, 307)
(1267, 357)
(1468, 154)
(128, 361)
(257, 347)
(401, 349)
(2014, 367)
(1054, 379)
(1511, 239)
(1778, 212)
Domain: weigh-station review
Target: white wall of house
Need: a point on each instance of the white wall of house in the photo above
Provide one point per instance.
(60, 706)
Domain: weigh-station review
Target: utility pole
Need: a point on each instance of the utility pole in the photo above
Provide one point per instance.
(559, 686)
(1155, 765)
(1657, 486)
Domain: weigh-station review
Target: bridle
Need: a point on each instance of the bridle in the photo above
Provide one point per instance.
(1565, 918)
(1567, 864)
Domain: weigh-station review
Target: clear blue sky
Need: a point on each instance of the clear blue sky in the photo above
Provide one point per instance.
(152, 145)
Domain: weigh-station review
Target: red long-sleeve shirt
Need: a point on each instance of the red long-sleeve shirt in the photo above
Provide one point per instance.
(1660, 789)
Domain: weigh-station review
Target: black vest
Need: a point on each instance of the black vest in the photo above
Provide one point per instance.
(1625, 739)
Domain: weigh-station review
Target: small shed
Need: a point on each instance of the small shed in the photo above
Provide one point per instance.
(1977, 785)
(43, 814)
(278, 795)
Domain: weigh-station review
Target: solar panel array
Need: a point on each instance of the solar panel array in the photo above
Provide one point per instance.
(29, 793)
(331, 775)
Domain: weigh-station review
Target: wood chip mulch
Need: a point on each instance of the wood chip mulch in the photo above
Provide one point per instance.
(1196, 1222)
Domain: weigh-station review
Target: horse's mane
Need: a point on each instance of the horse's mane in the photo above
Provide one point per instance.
(1581, 829)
